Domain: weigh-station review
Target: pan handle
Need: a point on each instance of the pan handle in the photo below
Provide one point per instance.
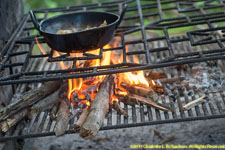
(34, 19)
(122, 15)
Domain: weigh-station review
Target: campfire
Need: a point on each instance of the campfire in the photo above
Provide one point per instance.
(88, 98)
(91, 98)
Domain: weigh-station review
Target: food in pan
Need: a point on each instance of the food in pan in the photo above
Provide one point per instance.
(80, 29)
(64, 31)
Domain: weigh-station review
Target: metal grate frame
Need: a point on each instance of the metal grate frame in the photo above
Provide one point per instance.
(200, 19)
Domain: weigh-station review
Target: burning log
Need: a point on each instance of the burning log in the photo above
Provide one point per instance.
(62, 119)
(46, 102)
(82, 118)
(98, 109)
(6, 124)
(54, 111)
(156, 87)
(194, 103)
(29, 98)
(155, 74)
(119, 109)
(133, 99)
(142, 91)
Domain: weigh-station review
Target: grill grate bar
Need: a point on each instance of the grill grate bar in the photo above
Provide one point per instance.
(213, 111)
(49, 125)
(190, 113)
(142, 116)
(134, 118)
(217, 103)
(109, 120)
(126, 110)
(39, 122)
(149, 113)
(43, 123)
(118, 119)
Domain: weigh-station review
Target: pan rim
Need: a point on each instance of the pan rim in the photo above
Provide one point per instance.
(54, 17)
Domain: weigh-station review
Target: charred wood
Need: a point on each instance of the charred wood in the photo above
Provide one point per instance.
(54, 110)
(155, 74)
(116, 106)
(142, 91)
(133, 99)
(171, 80)
(62, 119)
(29, 98)
(6, 124)
(98, 110)
(47, 102)
(82, 118)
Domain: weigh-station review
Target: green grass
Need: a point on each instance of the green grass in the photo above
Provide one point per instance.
(181, 30)
(36, 4)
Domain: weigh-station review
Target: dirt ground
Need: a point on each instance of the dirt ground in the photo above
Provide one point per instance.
(184, 133)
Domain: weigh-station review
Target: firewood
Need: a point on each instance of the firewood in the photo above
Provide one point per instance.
(128, 100)
(194, 103)
(156, 87)
(171, 80)
(6, 124)
(133, 99)
(155, 74)
(116, 106)
(98, 109)
(62, 119)
(29, 98)
(142, 91)
(82, 118)
(54, 111)
(47, 102)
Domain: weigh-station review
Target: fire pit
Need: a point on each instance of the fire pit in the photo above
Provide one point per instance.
(147, 75)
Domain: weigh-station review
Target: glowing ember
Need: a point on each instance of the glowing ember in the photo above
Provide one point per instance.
(114, 99)
(93, 95)
(85, 102)
(124, 93)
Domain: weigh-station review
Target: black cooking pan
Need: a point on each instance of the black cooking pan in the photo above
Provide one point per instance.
(79, 41)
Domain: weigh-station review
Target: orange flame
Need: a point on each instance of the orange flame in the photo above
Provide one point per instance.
(92, 95)
(114, 99)
(62, 65)
(134, 78)
(124, 93)
(76, 85)
(79, 86)
(40, 47)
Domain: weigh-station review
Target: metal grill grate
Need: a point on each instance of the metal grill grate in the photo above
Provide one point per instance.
(139, 115)
(147, 32)
(155, 21)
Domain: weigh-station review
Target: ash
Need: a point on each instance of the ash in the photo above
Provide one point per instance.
(206, 78)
